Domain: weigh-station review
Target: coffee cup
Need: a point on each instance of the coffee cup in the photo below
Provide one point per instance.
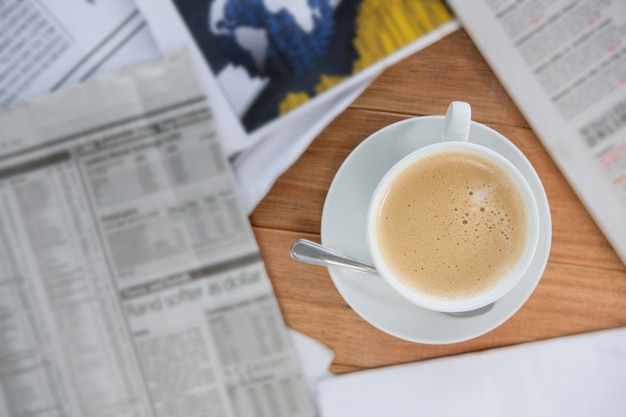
(453, 226)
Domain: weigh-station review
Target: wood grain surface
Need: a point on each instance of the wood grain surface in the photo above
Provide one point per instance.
(583, 288)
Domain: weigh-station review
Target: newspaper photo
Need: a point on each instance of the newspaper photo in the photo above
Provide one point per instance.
(47, 45)
(564, 64)
(131, 283)
(265, 62)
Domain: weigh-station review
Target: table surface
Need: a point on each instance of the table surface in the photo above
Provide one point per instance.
(583, 288)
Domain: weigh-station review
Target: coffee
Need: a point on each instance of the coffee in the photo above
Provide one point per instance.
(451, 225)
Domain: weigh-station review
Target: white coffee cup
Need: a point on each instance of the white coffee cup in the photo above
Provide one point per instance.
(455, 138)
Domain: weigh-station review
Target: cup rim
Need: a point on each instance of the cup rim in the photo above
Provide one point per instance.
(504, 285)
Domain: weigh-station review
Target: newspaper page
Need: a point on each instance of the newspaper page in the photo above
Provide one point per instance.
(48, 44)
(131, 283)
(264, 63)
(564, 64)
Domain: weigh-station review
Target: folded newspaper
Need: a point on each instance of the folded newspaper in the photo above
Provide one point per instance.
(48, 45)
(564, 64)
(278, 72)
(131, 283)
(265, 62)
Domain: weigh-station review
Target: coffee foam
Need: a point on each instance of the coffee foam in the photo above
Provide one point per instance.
(452, 225)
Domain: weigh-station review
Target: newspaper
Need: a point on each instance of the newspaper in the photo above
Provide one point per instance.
(261, 153)
(265, 63)
(564, 64)
(131, 283)
(47, 45)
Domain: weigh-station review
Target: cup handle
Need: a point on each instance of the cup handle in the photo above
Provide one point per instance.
(457, 124)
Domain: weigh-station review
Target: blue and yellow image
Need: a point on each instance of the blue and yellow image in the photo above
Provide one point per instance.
(282, 53)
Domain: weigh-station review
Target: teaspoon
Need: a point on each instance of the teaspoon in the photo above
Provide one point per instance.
(313, 253)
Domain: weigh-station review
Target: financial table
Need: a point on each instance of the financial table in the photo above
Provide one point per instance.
(583, 287)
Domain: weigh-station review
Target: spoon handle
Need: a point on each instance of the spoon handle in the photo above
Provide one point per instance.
(313, 253)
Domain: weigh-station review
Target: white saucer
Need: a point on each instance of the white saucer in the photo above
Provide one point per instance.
(343, 228)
